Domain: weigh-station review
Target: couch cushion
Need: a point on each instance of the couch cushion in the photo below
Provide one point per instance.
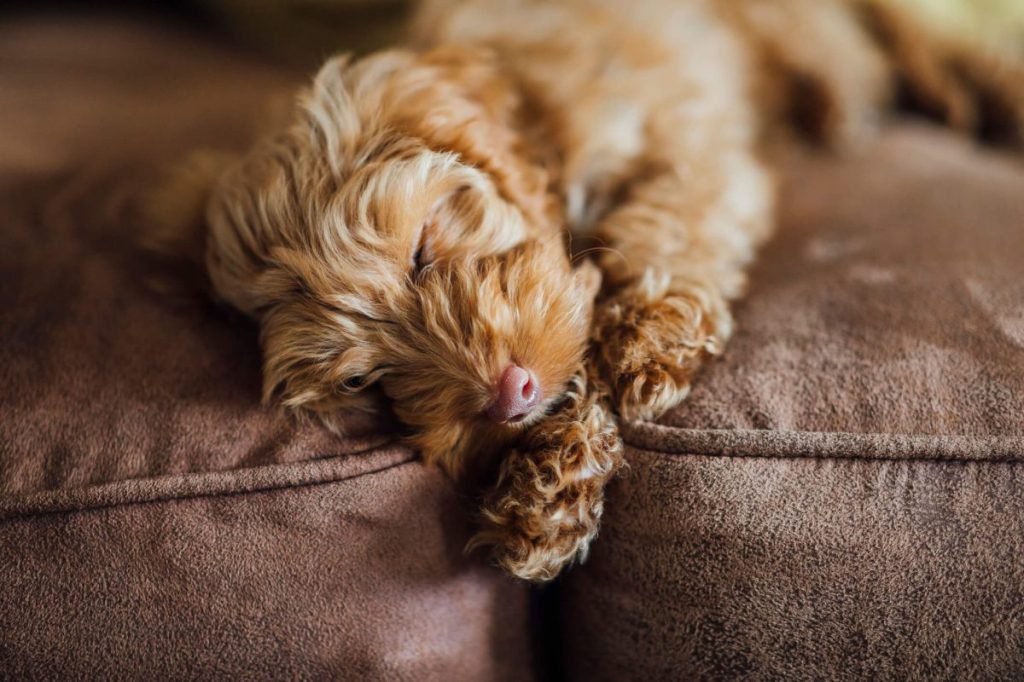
(106, 380)
(155, 521)
(103, 378)
(890, 303)
(347, 568)
(840, 498)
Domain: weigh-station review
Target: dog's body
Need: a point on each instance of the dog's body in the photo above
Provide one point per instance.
(649, 141)
(409, 229)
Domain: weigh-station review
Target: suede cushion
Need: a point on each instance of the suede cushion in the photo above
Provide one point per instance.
(840, 497)
(155, 521)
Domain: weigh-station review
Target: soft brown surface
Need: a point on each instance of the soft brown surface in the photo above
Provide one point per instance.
(803, 568)
(154, 520)
(841, 496)
(355, 574)
(105, 379)
(890, 303)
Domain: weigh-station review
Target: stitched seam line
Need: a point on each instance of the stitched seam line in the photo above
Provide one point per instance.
(822, 445)
(194, 486)
(655, 438)
(858, 459)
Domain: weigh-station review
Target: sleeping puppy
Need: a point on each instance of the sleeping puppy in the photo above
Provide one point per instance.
(531, 221)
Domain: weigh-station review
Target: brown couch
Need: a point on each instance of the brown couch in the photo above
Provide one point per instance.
(841, 497)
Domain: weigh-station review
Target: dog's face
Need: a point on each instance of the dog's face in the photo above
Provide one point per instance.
(393, 237)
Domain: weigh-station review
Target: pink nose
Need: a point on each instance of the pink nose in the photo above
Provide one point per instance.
(517, 394)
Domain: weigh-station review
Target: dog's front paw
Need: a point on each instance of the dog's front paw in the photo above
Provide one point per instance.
(546, 506)
(648, 344)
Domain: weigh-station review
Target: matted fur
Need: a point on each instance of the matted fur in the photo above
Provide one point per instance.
(407, 232)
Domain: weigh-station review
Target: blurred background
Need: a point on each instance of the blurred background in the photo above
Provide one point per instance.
(303, 32)
(1001, 20)
(114, 81)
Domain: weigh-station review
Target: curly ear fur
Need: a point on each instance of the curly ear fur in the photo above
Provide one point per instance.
(459, 99)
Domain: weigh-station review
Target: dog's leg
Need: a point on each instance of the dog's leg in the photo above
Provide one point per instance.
(675, 252)
(545, 508)
(683, 225)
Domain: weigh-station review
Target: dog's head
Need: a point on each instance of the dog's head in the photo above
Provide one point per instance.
(394, 237)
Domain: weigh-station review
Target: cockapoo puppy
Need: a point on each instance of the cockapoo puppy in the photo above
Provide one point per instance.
(531, 222)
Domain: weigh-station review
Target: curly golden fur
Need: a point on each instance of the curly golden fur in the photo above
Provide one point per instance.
(546, 505)
(411, 231)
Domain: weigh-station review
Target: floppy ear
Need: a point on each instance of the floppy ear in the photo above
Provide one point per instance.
(173, 215)
(458, 99)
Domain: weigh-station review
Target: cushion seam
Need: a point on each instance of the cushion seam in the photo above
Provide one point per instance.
(220, 484)
(854, 459)
(822, 444)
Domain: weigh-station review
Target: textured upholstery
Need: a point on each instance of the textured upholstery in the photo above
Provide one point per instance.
(841, 496)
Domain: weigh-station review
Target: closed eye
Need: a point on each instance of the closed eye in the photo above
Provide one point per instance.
(424, 254)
